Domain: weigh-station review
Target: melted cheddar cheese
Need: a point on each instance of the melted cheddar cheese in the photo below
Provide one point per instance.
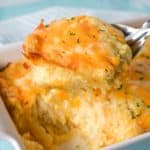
(83, 44)
(76, 87)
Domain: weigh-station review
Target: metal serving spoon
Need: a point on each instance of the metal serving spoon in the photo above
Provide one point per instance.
(135, 37)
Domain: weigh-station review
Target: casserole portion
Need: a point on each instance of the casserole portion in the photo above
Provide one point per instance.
(74, 89)
(82, 44)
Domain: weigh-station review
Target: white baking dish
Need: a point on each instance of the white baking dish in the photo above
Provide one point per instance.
(12, 52)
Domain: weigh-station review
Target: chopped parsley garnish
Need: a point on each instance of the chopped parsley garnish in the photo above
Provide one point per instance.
(141, 78)
(140, 65)
(137, 115)
(46, 25)
(102, 30)
(72, 18)
(137, 104)
(132, 114)
(147, 57)
(72, 33)
(63, 41)
(137, 71)
(106, 70)
(120, 87)
(78, 40)
(94, 36)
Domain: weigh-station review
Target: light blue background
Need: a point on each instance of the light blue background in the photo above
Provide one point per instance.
(12, 10)
(5, 145)
(19, 17)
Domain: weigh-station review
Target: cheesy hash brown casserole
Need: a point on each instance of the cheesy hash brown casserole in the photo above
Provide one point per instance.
(76, 88)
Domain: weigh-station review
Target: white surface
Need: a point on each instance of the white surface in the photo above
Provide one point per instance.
(8, 130)
(10, 53)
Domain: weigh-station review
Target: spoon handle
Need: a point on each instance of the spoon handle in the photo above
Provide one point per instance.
(135, 37)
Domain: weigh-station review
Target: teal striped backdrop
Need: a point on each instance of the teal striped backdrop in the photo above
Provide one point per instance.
(11, 8)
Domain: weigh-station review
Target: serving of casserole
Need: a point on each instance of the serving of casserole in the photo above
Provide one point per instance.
(77, 87)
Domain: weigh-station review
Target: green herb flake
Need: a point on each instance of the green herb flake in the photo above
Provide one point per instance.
(147, 57)
(46, 26)
(106, 70)
(141, 78)
(101, 30)
(120, 87)
(94, 36)
(138, 115)
(72, 18)
(137, 104)
(137, 71)
(132, 114)
(78, 40)
(140, 65)
(72, 33)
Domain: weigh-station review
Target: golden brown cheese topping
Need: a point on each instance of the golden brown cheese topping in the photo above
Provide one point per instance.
(79, 43)
(139, 82)
(61, 95)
